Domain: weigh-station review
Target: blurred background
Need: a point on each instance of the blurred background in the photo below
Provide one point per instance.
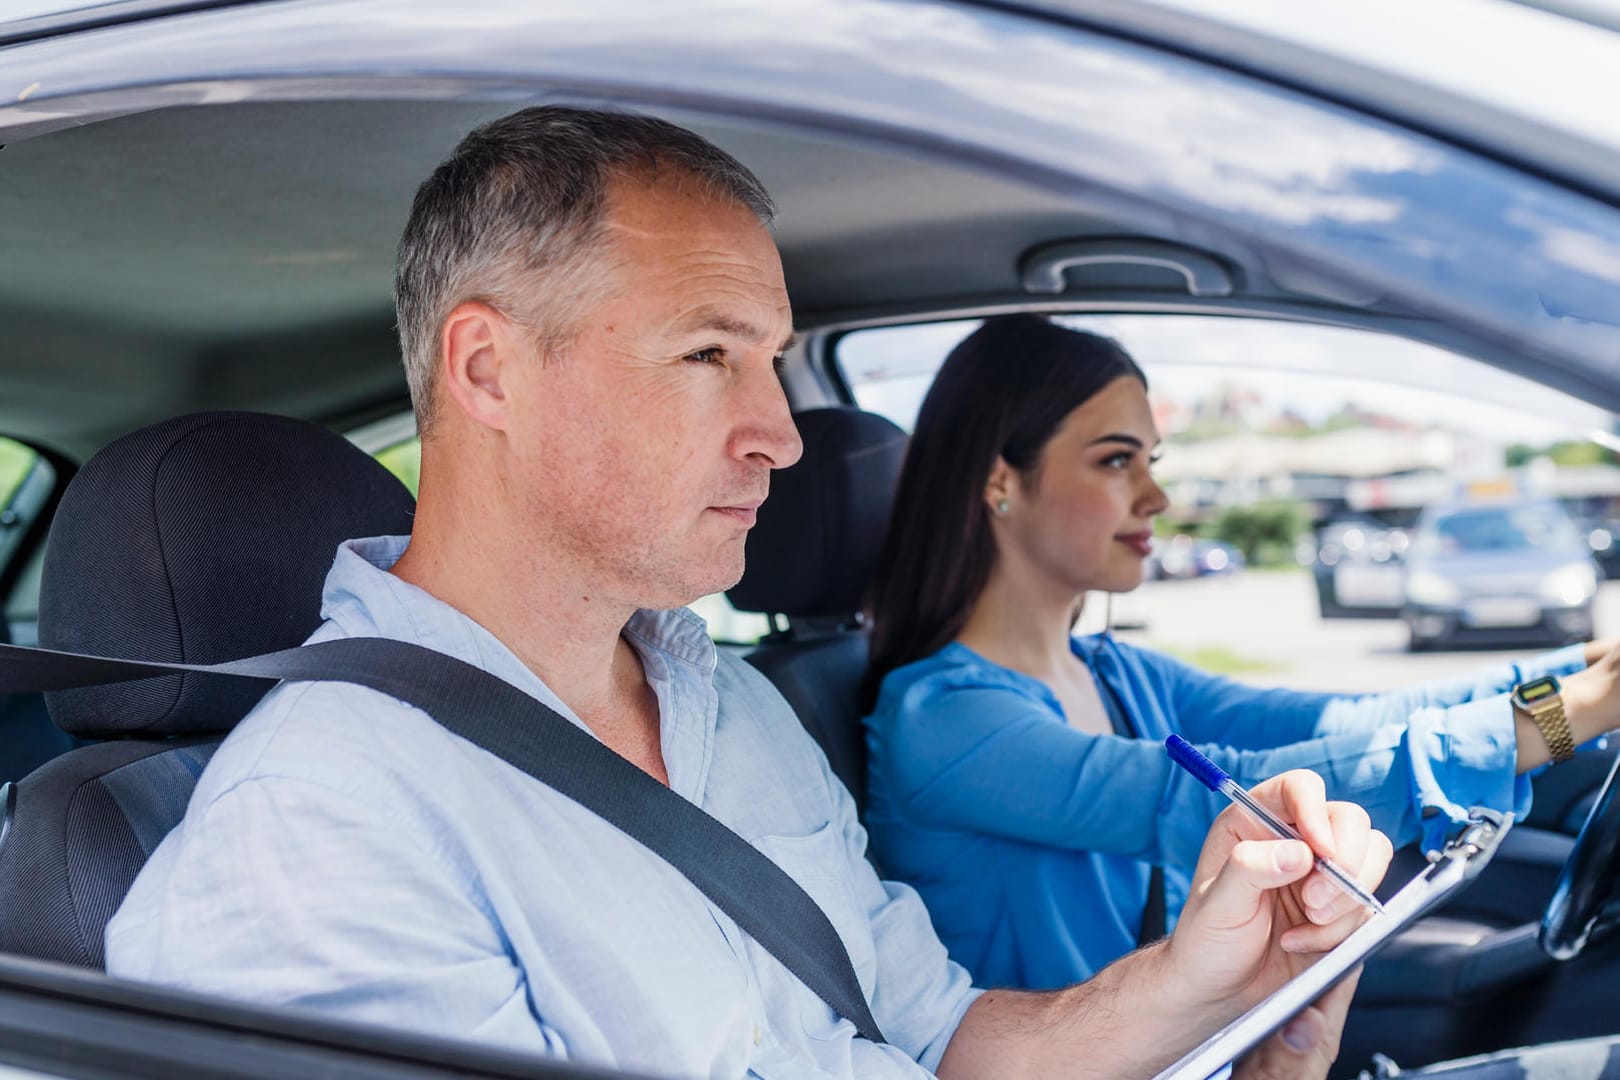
(1349, 511)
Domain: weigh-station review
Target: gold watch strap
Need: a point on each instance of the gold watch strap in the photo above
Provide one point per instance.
(1549, 718)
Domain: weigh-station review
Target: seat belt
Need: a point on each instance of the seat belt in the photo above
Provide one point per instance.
(493, 714)
(1155, 917)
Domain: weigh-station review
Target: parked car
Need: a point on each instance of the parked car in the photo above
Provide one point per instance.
(1510, 573)
(1183, 556)
(1357, 566)
(199, 202)
(1603, 537)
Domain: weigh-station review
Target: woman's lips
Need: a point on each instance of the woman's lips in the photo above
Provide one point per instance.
(1141, 542)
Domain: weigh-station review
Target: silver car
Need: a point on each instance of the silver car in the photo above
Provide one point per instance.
(1500, 573)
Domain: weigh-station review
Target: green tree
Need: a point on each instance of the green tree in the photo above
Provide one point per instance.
(1264, 531)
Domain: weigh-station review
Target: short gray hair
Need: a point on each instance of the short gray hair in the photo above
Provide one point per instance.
(510, 219)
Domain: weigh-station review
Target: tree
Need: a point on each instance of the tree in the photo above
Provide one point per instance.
(1274, 525)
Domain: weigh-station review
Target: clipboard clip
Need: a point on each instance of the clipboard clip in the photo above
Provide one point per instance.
(1480, 836)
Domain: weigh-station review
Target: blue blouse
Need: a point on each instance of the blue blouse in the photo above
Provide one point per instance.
(1031, 841)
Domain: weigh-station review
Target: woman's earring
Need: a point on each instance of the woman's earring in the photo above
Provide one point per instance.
(1003, 506)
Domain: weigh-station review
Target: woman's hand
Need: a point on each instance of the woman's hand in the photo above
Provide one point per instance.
(1591, 706)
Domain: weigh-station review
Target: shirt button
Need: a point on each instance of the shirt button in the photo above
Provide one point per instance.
(756, 1034)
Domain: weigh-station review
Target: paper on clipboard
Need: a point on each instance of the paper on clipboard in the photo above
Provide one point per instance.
(1461, 860)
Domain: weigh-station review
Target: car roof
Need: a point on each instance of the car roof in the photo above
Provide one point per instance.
(176, 242)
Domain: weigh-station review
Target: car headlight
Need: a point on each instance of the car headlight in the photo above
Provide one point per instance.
(1569, 585)
(1429, 589)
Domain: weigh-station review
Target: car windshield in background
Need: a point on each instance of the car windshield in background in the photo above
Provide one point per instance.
(1520, 528)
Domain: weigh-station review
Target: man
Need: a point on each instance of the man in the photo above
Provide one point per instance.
(591, 309)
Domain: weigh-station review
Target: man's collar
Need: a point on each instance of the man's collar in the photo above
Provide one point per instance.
(359, 582)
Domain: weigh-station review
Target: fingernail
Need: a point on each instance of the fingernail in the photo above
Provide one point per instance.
(1292, 857)
(1299, 1034)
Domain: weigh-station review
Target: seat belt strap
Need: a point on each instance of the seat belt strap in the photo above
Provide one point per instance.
(493, 714)
(1155, 917)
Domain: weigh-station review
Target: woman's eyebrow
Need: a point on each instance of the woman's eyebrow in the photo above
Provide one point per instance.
(1129, 440)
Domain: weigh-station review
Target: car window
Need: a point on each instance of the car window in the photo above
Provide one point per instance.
(1298, 460)
(404, 460)
(27, 482)
(1517, 528)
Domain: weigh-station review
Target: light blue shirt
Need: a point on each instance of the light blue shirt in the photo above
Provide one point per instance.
(344, 853)
(1032, 841)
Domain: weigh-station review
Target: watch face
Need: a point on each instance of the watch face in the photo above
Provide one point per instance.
(1537, 690)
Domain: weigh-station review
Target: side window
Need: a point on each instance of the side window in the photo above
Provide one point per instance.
(727, 625)
(404, 460)
(1301, 463)
(27, 482)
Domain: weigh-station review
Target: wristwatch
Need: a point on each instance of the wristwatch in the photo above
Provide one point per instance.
(1543, 700)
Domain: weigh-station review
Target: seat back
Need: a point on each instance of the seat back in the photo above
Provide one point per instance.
(28, 739)
(810, 558)
(198, 540)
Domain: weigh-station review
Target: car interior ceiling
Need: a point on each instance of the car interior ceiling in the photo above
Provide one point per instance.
(240, 257)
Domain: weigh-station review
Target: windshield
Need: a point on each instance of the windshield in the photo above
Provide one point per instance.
(1508, 528)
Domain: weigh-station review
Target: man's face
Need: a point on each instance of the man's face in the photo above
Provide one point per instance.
(646, 447)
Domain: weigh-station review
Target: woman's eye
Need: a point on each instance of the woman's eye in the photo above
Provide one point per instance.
(1117, 461)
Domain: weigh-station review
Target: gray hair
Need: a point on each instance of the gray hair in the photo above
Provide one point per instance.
(511, 219)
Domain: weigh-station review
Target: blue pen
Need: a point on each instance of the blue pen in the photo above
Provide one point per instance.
(1213, 777)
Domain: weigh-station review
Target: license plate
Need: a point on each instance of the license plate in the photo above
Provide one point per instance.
(1368, 586)
(1506, 611)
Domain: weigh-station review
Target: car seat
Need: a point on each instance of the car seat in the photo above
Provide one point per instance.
(198, 540)
(810, 557)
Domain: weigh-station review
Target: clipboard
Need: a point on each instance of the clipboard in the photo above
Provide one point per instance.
(1450, 869)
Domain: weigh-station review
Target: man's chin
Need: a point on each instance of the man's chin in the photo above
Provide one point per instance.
(699, 586)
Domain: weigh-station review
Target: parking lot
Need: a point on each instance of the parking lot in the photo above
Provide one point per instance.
(1262, 627)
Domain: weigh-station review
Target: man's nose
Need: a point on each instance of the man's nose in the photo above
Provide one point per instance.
(765, 428)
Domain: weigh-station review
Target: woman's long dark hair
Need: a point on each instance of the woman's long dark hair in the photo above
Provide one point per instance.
(1003, 391)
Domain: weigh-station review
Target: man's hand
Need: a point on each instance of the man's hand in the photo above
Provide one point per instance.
(1258, 913)
(1308, 1044)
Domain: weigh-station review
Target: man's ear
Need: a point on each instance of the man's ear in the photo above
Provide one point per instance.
(476, 346)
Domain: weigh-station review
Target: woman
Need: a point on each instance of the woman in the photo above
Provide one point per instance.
(1017, 777)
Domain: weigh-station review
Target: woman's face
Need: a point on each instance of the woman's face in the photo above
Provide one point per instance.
(1084, 518)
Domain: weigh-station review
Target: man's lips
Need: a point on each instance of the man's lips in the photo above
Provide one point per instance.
(745, 512)
(1139, 542)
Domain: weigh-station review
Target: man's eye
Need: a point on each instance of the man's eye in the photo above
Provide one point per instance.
(712, 355)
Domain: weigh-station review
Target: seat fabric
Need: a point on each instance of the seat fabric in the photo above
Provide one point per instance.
(198, 540)
(810, 558)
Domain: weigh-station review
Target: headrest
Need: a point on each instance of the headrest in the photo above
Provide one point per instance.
(198, 540)
(815, 543)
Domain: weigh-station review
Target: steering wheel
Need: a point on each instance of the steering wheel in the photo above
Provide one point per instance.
(1580, 900)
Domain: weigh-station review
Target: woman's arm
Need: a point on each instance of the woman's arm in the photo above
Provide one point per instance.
(992, 761)
(1215, 709)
